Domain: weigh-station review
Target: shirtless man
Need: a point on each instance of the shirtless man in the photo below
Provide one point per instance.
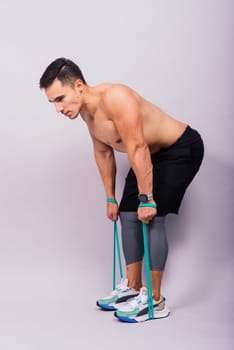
(164, 155)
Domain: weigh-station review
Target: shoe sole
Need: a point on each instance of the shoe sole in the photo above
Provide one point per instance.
(106, 307)
(157, 315)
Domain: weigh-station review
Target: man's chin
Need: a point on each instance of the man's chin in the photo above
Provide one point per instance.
(73, 116)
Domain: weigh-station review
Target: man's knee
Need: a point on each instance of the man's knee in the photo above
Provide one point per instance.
(132, 239)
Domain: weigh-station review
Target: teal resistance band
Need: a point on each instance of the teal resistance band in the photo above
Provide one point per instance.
(147, 263)
(116, 245)
(147, 272)
(152, 205)
(111, 200)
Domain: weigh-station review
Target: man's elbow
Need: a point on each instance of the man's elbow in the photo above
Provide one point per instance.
(104, 154)
(139, 149)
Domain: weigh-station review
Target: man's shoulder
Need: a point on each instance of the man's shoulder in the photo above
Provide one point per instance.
(117, 89)
(118, 94)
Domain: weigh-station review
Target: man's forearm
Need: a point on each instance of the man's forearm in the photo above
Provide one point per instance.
(107, 167)
(140, 161)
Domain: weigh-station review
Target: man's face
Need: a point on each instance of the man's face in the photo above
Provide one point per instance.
(66, 98)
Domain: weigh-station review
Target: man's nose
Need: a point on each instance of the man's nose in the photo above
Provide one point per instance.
(59, 107)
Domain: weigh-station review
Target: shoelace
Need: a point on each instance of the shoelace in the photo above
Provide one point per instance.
(120, 287)
(140, 299)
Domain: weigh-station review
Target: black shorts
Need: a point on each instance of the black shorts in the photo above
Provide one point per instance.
(173, 170)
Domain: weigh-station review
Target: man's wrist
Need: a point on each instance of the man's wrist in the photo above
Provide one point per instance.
(145, 198)
(151, 201)
(111, 200)
(148, 204)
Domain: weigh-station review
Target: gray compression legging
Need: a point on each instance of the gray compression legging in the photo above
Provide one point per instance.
(132, 240)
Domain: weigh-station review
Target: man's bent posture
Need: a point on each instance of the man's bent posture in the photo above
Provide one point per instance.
(164, 155)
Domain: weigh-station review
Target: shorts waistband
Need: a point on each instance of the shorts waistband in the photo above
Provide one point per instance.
(189, 137)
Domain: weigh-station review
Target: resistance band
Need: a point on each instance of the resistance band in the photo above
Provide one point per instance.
(116, 246)
(146, 257)
(147, 272)
(147, 263)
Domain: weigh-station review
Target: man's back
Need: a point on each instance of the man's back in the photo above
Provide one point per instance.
(160, 130)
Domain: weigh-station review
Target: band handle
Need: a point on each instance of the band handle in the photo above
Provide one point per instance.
(152, 205)
(111, 200)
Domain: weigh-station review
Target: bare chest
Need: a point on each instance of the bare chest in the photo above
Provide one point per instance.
(105, 131)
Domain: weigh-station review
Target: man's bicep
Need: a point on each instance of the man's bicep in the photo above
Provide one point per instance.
(124, 109)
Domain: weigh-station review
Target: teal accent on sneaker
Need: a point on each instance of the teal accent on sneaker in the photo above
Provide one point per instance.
(121, 294)
(107, 300)
(106, 307)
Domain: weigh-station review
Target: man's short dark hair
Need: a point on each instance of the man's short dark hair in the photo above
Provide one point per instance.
(64, 70)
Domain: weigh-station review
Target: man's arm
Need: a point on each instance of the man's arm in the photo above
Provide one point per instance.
(123, 107)
(105, 161)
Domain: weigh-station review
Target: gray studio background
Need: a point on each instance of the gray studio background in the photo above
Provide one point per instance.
(55, 241)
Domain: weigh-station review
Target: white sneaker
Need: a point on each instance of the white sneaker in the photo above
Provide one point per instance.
(121, 294)
(136, 310)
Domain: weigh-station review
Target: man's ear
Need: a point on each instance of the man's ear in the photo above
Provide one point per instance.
(79, 85)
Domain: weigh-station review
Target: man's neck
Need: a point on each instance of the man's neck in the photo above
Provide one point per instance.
(91, 99)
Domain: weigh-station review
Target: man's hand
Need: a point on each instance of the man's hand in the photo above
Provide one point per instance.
(146, 214)
(112, 211)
